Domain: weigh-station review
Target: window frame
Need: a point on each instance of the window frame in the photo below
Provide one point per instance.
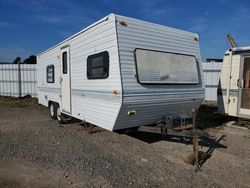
(53, 73)
(105, 55)
(63, 63)
(143, 83)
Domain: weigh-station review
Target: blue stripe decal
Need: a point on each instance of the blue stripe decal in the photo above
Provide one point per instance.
(49, 88)
(129, 91)
(160, 92)
(92, 91)
(79, 90)
(232, 92)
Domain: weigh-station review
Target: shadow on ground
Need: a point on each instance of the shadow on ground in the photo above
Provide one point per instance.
(209, 117)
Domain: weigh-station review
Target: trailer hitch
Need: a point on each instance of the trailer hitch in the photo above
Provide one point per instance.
(186, 131)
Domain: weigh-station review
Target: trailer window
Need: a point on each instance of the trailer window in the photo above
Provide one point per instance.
(155, 67)
(98, 66)
(50, 74)
(64, 59)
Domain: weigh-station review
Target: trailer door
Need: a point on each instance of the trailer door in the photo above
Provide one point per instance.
(233, 87)
(244, 87)
(65, 80)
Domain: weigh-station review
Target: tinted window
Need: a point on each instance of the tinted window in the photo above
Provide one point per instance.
(155, 67)
(64, 59)
(98, 66)
(50, 74)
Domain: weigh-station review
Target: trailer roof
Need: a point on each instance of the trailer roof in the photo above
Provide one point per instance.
(104, 19)
(238, 49)
(73, 36)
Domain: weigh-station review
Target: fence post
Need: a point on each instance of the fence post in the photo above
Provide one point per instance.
(19, 79)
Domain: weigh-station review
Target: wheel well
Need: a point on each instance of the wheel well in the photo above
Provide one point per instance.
(50, 102)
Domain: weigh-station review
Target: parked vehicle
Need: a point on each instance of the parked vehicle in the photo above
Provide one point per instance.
(234, 88)
(121, 73)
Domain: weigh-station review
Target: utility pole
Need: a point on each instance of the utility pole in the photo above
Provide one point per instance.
(19, 78)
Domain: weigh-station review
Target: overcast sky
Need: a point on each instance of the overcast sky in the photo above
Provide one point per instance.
(31, 26)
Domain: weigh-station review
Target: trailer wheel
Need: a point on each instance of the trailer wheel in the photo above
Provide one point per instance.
(59, 115)
(53, 110)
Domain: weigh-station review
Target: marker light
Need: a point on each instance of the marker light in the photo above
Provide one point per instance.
(123, 23)
(115, 92)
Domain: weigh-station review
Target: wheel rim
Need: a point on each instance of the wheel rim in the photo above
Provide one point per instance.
(52, 110)
(58, 114)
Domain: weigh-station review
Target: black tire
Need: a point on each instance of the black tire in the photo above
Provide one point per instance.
(53, 110)
(59, 115)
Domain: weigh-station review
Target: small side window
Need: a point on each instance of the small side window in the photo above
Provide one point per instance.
(50, 72)
(98, 66)
(64, 61)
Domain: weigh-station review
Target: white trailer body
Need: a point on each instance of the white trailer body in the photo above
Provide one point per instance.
(121, 73)
(234, 87)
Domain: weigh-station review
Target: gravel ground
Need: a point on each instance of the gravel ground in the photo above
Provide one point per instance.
(36, 151)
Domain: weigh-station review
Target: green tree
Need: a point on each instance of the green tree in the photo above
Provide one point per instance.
(30, 60)
(18, 59)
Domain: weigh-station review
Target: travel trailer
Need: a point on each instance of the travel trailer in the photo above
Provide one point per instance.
(121, 73)
(234, 87)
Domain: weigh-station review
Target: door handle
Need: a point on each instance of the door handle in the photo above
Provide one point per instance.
(238, 83)
(60, 80)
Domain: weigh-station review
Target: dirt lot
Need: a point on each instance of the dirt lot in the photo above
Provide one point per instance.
(36, 151)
